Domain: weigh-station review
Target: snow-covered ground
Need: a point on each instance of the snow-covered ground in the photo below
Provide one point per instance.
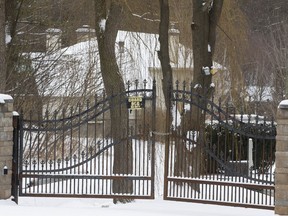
(88, 207)
(29, 206)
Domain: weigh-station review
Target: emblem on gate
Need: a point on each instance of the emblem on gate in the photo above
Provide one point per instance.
(135, 102)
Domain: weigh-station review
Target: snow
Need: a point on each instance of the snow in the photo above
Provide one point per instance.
(33, 206)
(206, 70)
(4, 97)
(15, 113)
(144, 18)
(54, 30)
(209, 48)
(83, 57)
(85, 28)
(29, 206)
(7, 38)
(51, 77)
(260, 93)
(283, 104)
(176, 117)
(173, 30)
(102, 25)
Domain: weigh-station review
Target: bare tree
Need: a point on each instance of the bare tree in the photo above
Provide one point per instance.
(108, 19)
(40, 75)
(231, 51)
(163, 55)
(205, 18)
(276, 56)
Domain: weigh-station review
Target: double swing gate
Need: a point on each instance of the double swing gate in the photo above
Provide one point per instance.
(107, 150)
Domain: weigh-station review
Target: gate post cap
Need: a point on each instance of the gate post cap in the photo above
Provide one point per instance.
(5, 98)
(283, 104)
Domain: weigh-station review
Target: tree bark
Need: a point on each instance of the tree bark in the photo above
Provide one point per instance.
(113, 83)
(163, 53)
(2, 47)
(204, 23)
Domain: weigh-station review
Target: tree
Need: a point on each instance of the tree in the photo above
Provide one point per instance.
(30, 76)
(163, 55)
(17, 82)
(231, 51)
(276, 56)
(2, 47)
(205, 18)
(108, 19)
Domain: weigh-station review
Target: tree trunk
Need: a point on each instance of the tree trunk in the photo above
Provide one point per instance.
(2, 47)
(205, 17)
(163, 53)
(113, 83)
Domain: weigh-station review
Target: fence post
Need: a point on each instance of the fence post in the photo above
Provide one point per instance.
(6, 145)
(281, 173)
(250, 156)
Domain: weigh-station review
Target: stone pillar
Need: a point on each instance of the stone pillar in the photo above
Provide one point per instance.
(6, 145)
(281, 172)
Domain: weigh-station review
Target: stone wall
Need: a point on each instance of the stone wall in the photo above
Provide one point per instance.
(281, 173)
(6, 144)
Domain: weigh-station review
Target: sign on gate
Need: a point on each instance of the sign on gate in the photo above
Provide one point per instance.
(135, 102)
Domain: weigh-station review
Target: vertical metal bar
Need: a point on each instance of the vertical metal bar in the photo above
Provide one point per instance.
(257, 163)
(54, 153)
(93, 169)
(88, 163)
(153, 146)
(144, 152)
(179, 151)
(29, 158)
(184, 141)
(95, 130)
(272, 195)
(210, 148)
(74, 191)
(203, 147)
(63, 150)
(71, 151)
(79, 150)
(15, 165)
(46, 140)
(167, 144)
(250, 156)
(106, 167)
(197, 161)
(21, 155)
(192, 144)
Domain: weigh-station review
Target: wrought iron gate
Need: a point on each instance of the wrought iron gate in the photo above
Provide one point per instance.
(207, 156)
(72, 153)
